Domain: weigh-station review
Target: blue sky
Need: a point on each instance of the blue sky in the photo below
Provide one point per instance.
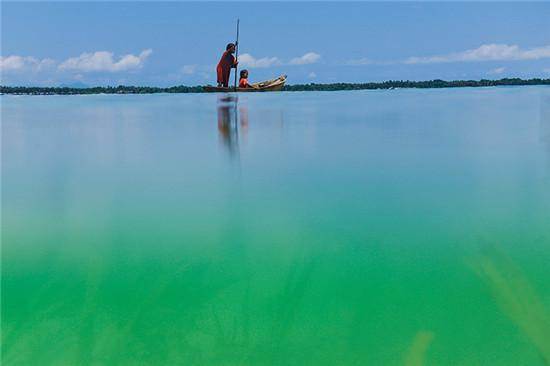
(172, 43)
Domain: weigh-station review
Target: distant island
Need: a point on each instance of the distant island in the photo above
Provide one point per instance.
(391, 84)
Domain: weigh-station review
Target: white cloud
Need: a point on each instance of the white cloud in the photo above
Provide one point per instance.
(104, 61)
(308, 58)
(188, 69)
(247, 60)
(498, 70)
(487, 52)
(24, 63)
(360, 62)
(546, 70)
(312, 75)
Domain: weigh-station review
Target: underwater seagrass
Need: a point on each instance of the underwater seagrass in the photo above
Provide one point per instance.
(517, 298)
(416, 354)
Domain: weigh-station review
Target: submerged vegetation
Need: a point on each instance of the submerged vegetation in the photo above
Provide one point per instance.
(517, 298)
(416, 355)
(391, 84)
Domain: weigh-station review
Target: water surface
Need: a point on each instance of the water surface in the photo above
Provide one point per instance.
(399, 227)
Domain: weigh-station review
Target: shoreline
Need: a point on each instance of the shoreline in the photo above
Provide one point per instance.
(182, 89)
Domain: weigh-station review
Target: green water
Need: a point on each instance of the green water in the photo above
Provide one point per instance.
(402, 227)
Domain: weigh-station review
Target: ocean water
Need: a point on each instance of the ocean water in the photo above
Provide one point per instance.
(396, 227)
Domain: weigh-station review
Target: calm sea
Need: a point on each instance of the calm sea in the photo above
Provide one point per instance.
(397, 227)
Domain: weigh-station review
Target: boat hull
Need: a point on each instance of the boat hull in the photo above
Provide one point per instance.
(264, 86)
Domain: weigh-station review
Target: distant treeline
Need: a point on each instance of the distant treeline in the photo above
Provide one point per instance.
(121, 89)
(392, 84)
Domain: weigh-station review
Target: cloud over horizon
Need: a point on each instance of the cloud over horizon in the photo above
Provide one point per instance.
(360, 62)
(104, 61)
(247, 60)
(24, 63)
(496, 71)
(308, 58)
(188, 69)
(486, 52)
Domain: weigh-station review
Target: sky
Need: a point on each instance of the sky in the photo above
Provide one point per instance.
(174, 43)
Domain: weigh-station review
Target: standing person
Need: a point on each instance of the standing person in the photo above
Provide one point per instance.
(227, 62)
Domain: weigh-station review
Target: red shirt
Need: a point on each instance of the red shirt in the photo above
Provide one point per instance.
(243, 83)
(223, 69)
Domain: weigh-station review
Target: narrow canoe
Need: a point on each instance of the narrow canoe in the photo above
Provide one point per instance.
(269, 85)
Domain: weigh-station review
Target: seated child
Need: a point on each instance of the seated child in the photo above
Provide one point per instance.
(243, 82)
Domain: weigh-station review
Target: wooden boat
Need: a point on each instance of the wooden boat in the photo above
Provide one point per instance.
(269, 85)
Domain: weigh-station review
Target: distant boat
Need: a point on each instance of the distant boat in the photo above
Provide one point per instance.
(269, 85)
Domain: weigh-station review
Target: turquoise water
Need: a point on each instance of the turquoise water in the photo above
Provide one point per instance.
(399, 227)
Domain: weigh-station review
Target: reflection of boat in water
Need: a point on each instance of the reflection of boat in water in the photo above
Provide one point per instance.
(233, 122)
(228, 127)
(269, 85)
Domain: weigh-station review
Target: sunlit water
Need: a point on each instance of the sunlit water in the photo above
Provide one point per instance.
(400, 227)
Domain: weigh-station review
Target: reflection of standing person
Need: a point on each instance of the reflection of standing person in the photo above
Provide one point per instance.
(227, 62)
(231, 119)
(227, 124)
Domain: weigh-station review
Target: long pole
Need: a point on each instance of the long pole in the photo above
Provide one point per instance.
(236, 55)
